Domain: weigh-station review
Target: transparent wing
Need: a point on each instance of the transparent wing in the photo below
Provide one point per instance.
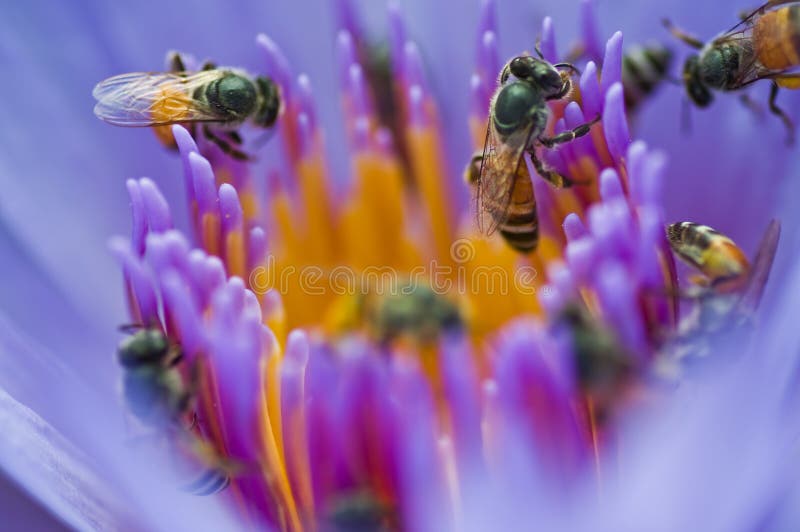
(154, 98)
(501, 165)
(761, 269)
(747, 21)
(742, 35)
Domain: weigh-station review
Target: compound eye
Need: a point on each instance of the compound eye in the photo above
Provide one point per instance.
(548, 78)
(522, 67)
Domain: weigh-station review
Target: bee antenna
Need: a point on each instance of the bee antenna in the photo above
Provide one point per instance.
(569, 66)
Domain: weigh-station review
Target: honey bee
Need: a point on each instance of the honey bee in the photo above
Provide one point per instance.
(153, 386)
(731, 293)
(604, 368)
(764, 45)
(220, 97)
(410, 311)
(724, 265)
(157, 393)
(644, 69)
(518, 116)
(359, 510)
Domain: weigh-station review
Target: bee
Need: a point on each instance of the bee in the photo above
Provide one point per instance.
(644, 69)
(359, 511)
(157, 393)
(518, 116)
(220, 97)
(603, 367)
(723, 264)
(764, 45)
(410, 311)
(731, 293)
(153, 386)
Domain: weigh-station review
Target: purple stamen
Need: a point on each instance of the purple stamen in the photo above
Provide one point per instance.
(156, 208)
(277, 66)
(461, 388)
(611, 186)
(257, 246)
(574, 228)
(416, 107)
(397, 39)
(581, 255)
(589, 34)
(548, 42)
(139, 219)
(487, 19)
(204, 184)
(346, 55)
(182, 307)
(489, 58)
(615, 122)
(231, 208)
(358, 91)
(591, 97)
(480, 103)
(139, 278)
(414, 68)
(306, 100)
(186, 145)
(612, 63)
(207, 273)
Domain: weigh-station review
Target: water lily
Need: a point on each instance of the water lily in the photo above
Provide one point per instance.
(322, 412)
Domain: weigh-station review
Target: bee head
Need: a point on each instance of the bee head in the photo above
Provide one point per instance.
(146, 347)
(695, 85)
(270, 105)
(537, 71)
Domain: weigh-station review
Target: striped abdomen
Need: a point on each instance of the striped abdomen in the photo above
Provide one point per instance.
(715, 255)
(643, 70)
(520, 228)
(776, 37)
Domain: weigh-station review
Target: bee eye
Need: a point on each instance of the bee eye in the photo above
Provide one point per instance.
(521, 67)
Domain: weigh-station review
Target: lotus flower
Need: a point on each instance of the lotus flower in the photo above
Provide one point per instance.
(354, 353)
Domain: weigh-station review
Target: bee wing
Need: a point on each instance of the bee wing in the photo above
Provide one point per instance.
(154, 98)
(748, 20)
(501, 165)
(762, 265)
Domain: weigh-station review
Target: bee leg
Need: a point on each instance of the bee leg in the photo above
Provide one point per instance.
(567, 136)
(694, 42)
(549, 174)
(752, 105)
(225, 145)
(773, 107)
(175, 62)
